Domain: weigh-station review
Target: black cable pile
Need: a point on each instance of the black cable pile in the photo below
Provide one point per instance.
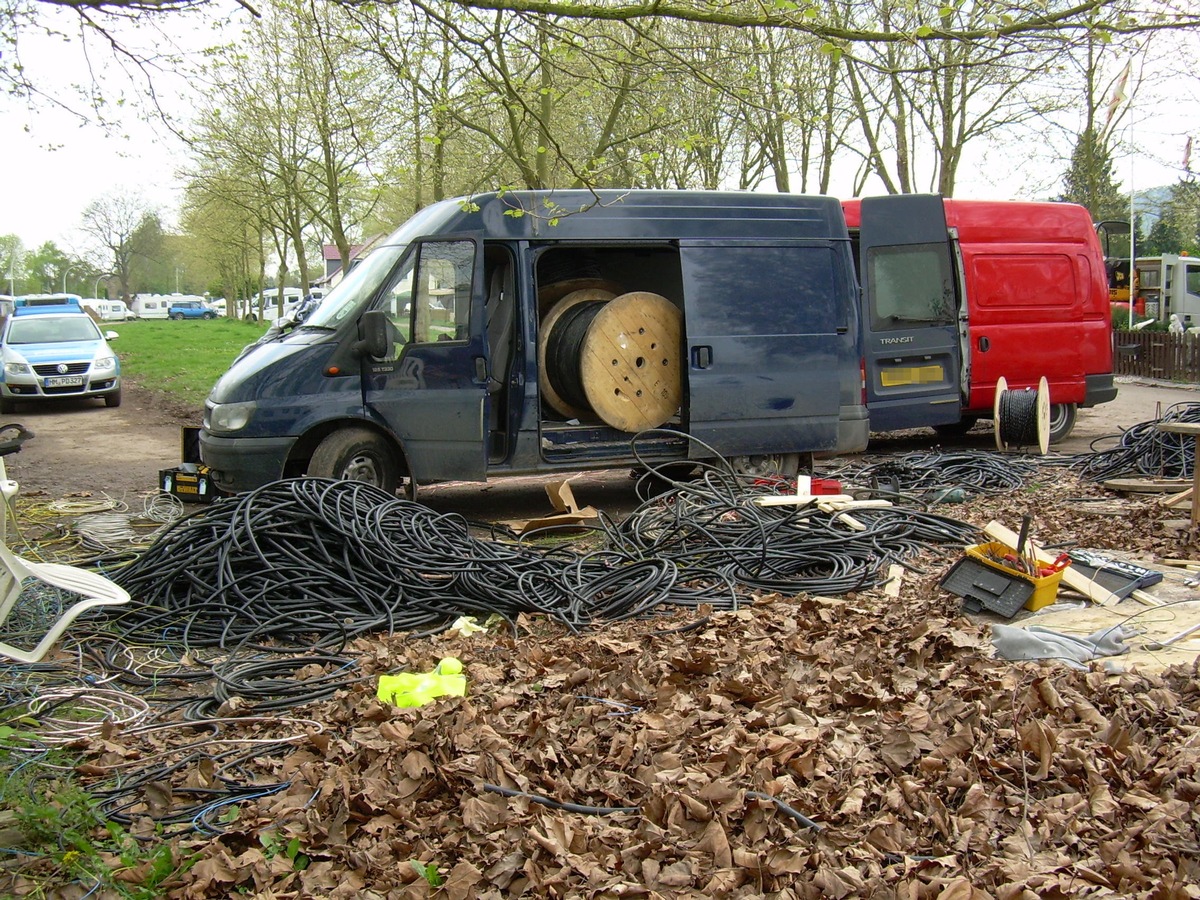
(1144, 450)
(934, 474)
(311, 556)
(311, 563)
(715, 525)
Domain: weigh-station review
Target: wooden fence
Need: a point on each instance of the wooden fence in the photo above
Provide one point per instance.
(1156, 354)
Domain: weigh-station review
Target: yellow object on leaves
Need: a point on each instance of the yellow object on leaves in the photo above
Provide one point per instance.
(467, 626)
(406, 689)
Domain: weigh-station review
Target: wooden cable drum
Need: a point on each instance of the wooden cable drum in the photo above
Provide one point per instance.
(620, 359)
(561, 308)
(1022, 418)
(550, 295)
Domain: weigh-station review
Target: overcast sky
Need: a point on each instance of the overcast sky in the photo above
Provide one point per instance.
(56, 165)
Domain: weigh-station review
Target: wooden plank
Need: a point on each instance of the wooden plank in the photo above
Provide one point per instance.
(1071, 578)
(1145, 599)
(1147, 485)
(1175, 500)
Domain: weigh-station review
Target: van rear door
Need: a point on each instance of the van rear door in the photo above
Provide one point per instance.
(910, 312)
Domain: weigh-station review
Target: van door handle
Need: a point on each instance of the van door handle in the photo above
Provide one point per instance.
(481, 374)
(984, 344)
(701, 357)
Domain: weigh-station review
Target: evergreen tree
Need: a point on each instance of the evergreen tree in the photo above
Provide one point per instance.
(1089, 180)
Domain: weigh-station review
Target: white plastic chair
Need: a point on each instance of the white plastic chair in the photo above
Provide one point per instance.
(15, 573)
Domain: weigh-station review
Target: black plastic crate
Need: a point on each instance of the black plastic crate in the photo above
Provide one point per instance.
(982, 588)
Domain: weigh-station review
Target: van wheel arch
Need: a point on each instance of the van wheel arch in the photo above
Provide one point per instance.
(768, 465)
(322, 450)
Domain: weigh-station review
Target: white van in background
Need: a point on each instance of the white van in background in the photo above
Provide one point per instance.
(151, 306)
(108, 310)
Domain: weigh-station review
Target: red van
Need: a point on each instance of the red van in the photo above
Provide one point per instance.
(957, 293)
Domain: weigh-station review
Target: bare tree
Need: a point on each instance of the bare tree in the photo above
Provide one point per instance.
(113, 223)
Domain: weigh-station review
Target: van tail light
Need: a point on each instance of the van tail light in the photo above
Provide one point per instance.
(862, 378)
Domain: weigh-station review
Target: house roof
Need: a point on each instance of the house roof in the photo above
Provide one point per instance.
(330, 251)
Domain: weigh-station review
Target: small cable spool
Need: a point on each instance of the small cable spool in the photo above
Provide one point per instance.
(1022, 418)
(617, 359)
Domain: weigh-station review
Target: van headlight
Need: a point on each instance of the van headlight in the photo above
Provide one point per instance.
(230, 416)
(104, 364)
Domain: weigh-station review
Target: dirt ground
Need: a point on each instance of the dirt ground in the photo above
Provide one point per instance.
(82, 448)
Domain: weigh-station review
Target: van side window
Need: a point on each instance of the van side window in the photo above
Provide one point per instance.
(443, 295)
(910, 284)
(440, 309)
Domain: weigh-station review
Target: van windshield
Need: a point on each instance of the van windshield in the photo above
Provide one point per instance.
(356, 288)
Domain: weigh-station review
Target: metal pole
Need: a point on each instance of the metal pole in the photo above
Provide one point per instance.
(65, 272)
(1132, 225)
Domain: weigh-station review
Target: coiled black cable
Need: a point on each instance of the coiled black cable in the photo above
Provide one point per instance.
(1144, 449)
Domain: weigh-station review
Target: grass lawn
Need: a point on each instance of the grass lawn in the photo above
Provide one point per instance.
(183, 358)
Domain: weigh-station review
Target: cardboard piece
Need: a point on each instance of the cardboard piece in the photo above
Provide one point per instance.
(567, 512)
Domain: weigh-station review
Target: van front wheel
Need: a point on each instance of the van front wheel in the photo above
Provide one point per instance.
(1062, 421)
(356, 454)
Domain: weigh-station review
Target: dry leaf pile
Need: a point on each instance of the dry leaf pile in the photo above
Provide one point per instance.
(932, 769)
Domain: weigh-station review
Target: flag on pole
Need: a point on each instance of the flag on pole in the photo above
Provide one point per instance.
(1118, 96)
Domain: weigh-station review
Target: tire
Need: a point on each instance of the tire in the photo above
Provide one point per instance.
(356, 454)
(768, 465)
(956, 429)
(113, 400)
(178, 317)
(1062, 421)
(209, 315)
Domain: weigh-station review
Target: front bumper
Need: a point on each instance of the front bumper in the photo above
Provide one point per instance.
(34, 387)
(243, 464)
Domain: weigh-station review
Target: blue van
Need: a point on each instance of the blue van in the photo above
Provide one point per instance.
(536, 332)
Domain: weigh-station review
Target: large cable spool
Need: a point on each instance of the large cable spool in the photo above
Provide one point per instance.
(592, 295)
(552, 294)
(617, 359)
(1022, 418)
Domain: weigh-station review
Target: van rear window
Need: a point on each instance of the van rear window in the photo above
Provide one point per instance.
(1024, 280)
(910, 284)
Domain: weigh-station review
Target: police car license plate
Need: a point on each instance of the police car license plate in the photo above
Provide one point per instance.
(64, 381)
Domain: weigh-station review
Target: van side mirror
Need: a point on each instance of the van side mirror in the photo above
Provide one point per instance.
(373, 337)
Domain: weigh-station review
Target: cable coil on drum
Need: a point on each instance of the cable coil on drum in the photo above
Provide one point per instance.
(563, 346)
(1022, 418)
(616, 359)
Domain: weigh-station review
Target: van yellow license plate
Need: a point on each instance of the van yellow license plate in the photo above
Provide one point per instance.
(912, 375)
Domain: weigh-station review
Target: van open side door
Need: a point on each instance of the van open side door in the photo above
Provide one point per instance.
(429, 387)
(910, 312)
